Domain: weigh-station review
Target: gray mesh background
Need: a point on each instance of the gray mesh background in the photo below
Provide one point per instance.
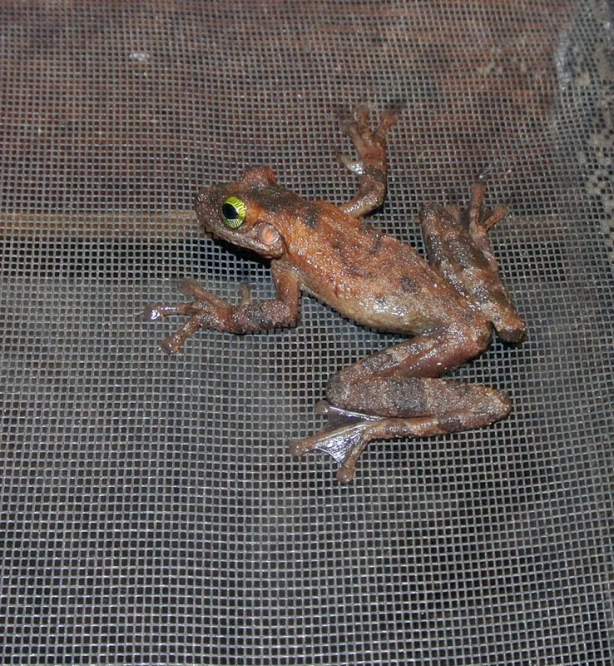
(150, 511)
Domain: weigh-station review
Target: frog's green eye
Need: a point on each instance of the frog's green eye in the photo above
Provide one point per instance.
(234, 211)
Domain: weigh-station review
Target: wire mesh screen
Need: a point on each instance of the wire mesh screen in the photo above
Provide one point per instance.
(151, 512)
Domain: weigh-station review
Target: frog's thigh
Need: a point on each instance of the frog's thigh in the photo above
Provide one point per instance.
(428, 355)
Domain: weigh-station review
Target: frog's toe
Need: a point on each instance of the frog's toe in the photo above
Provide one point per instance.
(151, 312)
(334, 442)
(172, 344)
(337, 416)
(479, 216)
(361, 132)
(488, 221)
(361, 118)
(355, 166)
(157, 311)
(192, 288)
(388, 119)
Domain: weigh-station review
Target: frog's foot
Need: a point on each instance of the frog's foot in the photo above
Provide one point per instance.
(458, 246)
(343, 438)
(206, 311)
(211, 311)
(371, 164)
(370, 143)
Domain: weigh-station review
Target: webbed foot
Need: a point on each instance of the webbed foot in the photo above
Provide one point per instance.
(341, 438)
(457, 238)
(347, 434)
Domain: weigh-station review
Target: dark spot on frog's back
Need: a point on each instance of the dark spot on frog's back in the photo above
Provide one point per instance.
(408, 285)
(359, 272)
(312, 217)
(378, 242)
(377, 238)
(273, 199)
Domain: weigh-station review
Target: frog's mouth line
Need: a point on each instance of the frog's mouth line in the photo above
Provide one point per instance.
(243, 252)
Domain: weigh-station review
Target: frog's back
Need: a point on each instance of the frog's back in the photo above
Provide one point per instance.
(368, 276)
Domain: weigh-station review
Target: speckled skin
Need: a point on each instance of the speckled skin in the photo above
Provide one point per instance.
(448, 305)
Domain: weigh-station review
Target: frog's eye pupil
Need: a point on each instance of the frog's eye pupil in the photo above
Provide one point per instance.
(234, 211)
(229, 212)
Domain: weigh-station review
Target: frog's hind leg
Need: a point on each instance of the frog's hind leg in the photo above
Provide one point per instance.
(423, 407)
(458, 247)
(396, 392)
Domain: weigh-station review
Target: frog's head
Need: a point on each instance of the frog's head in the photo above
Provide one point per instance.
(245, 212)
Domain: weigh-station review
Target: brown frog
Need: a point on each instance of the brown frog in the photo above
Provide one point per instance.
(448, 306)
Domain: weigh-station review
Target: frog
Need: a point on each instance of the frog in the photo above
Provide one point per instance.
(444, 306)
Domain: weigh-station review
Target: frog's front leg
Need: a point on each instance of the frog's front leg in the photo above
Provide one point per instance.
(396, 393)
(372, 163)
(209, 311)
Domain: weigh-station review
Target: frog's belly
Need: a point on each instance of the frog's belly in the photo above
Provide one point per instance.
(387, 314)
(394, 309)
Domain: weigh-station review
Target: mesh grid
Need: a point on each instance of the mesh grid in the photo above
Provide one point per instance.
(150, 511)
